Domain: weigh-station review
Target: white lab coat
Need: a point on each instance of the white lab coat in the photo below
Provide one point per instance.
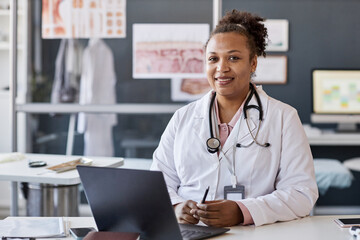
(97, 86)
(67, 72)
(279, 180)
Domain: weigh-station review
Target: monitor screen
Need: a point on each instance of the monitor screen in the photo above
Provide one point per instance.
(336, 97)
(336, 91)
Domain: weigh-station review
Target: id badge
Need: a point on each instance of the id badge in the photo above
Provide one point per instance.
(234, 194)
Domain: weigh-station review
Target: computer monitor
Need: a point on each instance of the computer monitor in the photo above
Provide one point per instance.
(336, 97)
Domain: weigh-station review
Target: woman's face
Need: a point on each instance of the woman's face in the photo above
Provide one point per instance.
(228, 65)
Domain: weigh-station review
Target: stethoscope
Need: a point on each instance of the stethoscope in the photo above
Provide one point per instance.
(213, 143)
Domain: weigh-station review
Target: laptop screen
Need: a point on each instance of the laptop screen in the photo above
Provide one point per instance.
(127, 200)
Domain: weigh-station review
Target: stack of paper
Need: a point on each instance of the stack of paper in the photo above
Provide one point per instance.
(46, 227)
(11, 157)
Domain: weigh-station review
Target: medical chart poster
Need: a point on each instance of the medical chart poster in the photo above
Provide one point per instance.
(83, 18)
(188, 89)
(169, 50)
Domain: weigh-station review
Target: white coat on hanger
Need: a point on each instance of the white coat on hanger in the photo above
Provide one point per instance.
(67, 72)
(97, 86)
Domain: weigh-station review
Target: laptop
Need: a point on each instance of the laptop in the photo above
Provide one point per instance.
(127, 200)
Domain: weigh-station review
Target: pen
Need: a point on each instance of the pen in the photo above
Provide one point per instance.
(205, 194)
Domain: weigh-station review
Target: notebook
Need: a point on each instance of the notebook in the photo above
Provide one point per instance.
(127, 200)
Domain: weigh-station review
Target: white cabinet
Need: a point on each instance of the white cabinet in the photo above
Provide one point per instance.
(5, 70)
(4, 44)
(5, 114)
(5, 131)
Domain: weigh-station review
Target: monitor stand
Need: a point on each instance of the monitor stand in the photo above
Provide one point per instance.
(347, 127)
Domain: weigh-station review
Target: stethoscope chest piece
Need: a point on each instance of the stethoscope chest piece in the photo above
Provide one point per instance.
(213, 144)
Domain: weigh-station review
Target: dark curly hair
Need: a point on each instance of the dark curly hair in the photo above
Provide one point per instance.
(246, 24)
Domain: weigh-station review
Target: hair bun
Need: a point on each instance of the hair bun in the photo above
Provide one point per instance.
(248, 24)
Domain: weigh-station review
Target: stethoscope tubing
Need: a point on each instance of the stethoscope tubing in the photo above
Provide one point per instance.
(213, 143)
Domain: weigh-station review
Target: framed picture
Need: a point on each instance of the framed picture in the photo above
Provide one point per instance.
(169, 50)
(83, 19)
(278, 33)
(189, 89)
(271, 70)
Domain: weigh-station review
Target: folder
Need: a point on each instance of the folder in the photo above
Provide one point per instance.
(32, 227)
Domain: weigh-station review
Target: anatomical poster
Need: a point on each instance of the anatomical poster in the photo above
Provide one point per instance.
(83, 18)
(169, 50)
(188, 89)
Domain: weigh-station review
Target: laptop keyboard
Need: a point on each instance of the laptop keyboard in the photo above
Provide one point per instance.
(194, 232)
(190, 234)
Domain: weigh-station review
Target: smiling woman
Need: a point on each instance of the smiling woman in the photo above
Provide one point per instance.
(229, 67)
(271, 180)
(231, 58)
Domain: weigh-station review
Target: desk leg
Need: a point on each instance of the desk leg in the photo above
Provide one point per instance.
(14, 211)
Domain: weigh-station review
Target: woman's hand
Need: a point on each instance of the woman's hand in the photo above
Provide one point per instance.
(182, 212)
(221, 213)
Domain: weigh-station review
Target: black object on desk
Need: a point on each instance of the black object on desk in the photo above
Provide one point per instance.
(35, 164)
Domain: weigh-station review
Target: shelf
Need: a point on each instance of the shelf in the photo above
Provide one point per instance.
(6, 46)
(126, 108)
(335, 139)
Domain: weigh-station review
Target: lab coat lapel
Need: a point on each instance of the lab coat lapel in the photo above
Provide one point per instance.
(201, 125)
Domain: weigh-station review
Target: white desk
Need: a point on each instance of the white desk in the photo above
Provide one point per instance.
(19, 171)
(309, 228)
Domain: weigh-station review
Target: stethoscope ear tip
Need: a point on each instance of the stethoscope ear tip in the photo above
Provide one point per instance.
(267, 144)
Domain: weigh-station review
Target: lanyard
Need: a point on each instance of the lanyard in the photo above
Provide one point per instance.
(231, 167)
(222, 154)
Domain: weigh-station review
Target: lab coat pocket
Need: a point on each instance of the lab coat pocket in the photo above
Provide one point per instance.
(265, 168)
(253, 157)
